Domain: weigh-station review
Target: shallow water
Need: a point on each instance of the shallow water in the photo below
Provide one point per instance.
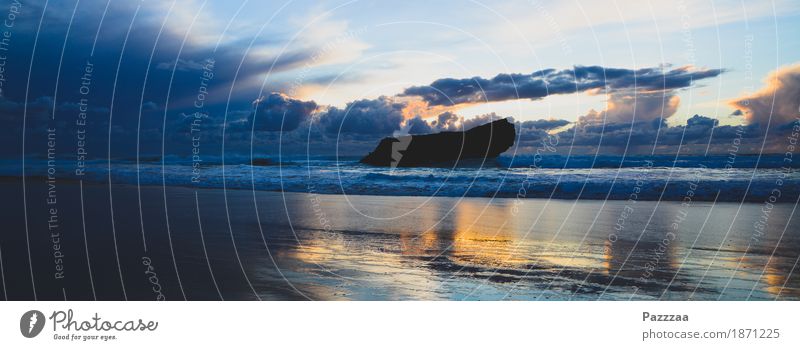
(271, 245)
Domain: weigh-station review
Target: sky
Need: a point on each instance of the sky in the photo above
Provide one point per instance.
(158, 78)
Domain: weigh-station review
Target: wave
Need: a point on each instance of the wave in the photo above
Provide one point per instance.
(555, 178)
(766, 161)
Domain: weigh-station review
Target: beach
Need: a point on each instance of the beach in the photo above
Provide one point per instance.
(151, 242)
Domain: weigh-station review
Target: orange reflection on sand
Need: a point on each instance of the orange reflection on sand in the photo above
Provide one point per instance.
(576, 256)
(481, 236)
(317, 253)
(776, 280)
(375, 268)
(608, 247)
(413, 242)
(418, 244)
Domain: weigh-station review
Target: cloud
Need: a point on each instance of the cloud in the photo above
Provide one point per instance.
(381, 116)
(628, 108)
(278, 112)
(698, 120)
(777, 103)
(446, 121)
(182, 65)
(636, 122)
(696, 135)
(417, 126)
(529, 133)
(639, 100)
(536, 85)
(150, 106)
(39, 109)
(531, 130)
(544, 124)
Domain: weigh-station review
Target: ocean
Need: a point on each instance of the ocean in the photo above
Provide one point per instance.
(752, 178)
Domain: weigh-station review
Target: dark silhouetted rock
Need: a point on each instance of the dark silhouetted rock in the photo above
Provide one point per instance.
(263, 162)
(481, 142)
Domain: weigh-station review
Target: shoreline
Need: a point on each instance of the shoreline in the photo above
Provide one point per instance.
(91, 182)
(286, 246)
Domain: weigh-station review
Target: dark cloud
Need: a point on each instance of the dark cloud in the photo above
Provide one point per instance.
(450, 91)
(155, 79)
(381, 116)
(278, 112)
(11, 111)
(446, 121)
(697, 134)
(527, 135)
(467, 124)
(698, 120)
(731, 132)
(417, 126)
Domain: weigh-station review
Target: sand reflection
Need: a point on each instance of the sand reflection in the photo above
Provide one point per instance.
(450, 248)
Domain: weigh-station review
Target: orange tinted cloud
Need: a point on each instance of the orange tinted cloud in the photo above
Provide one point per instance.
(417, 107)
(776, 104)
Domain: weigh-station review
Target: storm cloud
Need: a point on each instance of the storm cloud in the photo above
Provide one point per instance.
(380, 116)
(539, 84)
(278, 112)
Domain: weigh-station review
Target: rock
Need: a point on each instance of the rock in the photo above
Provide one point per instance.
(262, 162)
(482, 142)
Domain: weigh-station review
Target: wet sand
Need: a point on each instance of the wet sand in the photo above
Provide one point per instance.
(209, 244)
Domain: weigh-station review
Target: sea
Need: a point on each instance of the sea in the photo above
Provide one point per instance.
(723, 178)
